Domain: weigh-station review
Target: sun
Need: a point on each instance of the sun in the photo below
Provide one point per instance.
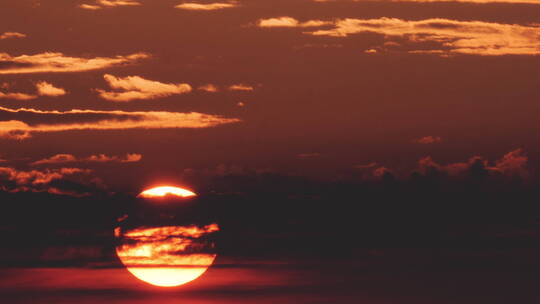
(164, 191)
(166, 256)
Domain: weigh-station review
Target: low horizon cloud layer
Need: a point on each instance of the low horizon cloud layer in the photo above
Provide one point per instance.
(22, 123)
(50, 62)
(62, 181)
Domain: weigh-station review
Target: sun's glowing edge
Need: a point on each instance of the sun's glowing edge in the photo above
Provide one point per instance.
(168, 276)
(163, 191)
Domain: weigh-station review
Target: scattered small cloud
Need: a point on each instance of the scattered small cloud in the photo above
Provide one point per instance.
(209, 88)
(193, 6)
(9, 35)
(135, 87)
(58, 62)
(46, 89)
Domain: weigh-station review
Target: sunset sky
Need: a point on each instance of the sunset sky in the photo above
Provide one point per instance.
(267, 103)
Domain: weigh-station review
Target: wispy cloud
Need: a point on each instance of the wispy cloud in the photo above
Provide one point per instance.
(193, 6)
(453, 36)
(97, 158)
(22, 123)
(8, 35)
(58, 62)
(17, 96)
(135, 87)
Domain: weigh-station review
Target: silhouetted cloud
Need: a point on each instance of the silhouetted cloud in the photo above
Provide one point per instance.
(135, 87)
(512, 164)
(22, 123)
(58, 62)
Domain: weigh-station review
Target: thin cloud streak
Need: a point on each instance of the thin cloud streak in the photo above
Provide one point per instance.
(98, 158)
(192, 6)
(22, 123)
(58, 63)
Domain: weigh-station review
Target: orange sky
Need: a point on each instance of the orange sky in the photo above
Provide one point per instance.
(316, 88)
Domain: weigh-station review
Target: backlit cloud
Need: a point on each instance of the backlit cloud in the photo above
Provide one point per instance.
(206, 6)
(135, 87)
(453, 36)
(22, 123)
(58, 62)
(8, 35)
(17, 96)
(46, 89)
(98, 158)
